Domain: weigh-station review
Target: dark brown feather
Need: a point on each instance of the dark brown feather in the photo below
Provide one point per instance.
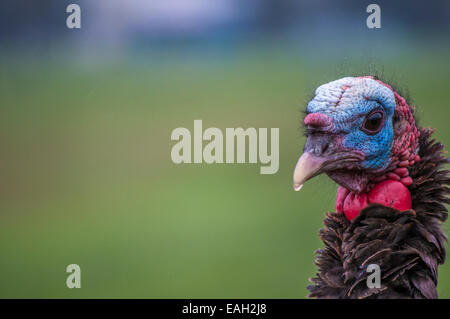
(408, 246)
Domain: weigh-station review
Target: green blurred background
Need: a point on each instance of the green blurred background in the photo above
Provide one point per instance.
(85, 121)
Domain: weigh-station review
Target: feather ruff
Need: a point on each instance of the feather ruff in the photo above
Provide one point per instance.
(408, 246)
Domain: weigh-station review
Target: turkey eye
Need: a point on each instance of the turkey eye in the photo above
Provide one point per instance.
(373, 122)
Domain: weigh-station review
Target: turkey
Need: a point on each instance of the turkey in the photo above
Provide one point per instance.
(390, 202)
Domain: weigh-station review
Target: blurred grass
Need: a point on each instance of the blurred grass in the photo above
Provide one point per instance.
(86, 177)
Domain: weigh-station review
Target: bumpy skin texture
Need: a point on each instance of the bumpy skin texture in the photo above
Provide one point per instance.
(347, 101)
(408, 246)
(341, 108)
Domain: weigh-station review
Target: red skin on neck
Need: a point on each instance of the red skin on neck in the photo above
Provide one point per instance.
(388, 193)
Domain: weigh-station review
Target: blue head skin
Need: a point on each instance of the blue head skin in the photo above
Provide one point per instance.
(347, 102)
(343, 140)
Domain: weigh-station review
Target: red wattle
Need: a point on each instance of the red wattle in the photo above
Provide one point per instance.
(392, 194)
(342, 193)
(353, 204)
(388, 193)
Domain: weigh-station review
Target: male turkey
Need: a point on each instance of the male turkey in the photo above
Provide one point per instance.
(392, 192)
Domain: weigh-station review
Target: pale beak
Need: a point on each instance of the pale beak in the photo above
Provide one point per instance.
(308, 166)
